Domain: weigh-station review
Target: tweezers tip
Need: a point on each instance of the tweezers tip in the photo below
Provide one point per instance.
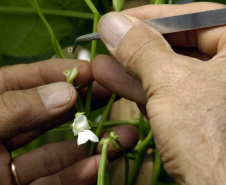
(87, 37)
(75, 46)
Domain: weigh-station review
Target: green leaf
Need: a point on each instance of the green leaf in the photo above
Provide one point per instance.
(10, 60)
(26, 35)
(118, 5)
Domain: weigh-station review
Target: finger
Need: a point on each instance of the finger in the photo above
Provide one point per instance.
(167, 10)
(5, 174)
(48, 160)
(137, 47)
(114, 77)
(51, 159)
(25, 137)
(83, 172)
(221, 47)
(25, 76)
(100, 97)
(205, 39)
(25, 110)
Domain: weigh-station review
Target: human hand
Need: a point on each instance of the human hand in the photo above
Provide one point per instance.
(184, 95)
(33, 99)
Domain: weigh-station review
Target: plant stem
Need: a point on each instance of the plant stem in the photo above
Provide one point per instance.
(88, 101)
(107, 124)
(79, 104)
(64, 13)
(126, 180)
(139, 152)
(92, 56)
(91, 6)
(102, 121)
(102, 164)
(94, 42)
(105, 114)
(133, 122)
(157, 166)
(55, 43)
(141, 127)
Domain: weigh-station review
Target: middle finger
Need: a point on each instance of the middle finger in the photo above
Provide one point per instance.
(53, 158)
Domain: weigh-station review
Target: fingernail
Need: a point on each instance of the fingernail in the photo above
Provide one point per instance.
(56, 95)
(113, 28)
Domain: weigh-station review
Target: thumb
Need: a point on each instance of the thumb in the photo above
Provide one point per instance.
(136, 46)
(26, 110)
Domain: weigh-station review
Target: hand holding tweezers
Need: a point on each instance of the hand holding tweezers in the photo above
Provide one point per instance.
(176, 23)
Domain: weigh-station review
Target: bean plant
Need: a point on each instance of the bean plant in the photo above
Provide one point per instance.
(51, 26)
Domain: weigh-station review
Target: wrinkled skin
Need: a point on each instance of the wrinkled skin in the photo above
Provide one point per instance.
(33, 99)
(178, 81)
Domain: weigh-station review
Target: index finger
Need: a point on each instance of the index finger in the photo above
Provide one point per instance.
(25, 76)
(206, 40)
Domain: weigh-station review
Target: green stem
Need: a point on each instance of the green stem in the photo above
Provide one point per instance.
(94, 42)
(133, 122)
(64, 13)
(92, 56)
(88, 101)
(139, 152)
(107, 124)
(157, 167)
(102, 121)
(91, 6)
(126, 180)
(105, 115)
(79, 104)
(107, 177)
(56, 46)
(141, 127)
(102, 164)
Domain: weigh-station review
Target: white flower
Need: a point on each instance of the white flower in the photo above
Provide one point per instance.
(81, 127)
(83, 137)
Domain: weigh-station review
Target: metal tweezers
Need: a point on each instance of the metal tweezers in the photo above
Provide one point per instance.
(174, 24)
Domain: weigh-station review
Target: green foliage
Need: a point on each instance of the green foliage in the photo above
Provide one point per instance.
(24, 34)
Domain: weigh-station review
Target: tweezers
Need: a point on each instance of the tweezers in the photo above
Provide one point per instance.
(176, 23)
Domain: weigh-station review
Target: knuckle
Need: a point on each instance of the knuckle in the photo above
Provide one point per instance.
(13, 112)
(12, 109)
(50, 157)
(13, 104)
(134, 51)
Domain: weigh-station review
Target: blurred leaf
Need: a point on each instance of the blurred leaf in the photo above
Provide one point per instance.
(10, 60)
(118, 5)
(23, 35)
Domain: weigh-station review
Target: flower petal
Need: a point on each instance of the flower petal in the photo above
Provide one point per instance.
(81, 122)
(92, 137)
(83, 137)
